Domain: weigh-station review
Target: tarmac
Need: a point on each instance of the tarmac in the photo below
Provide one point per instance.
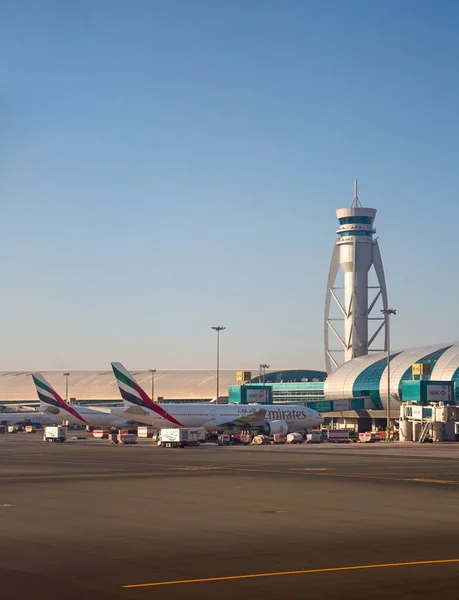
(86, 519)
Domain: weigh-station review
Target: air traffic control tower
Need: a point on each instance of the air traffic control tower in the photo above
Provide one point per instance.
(356, 252)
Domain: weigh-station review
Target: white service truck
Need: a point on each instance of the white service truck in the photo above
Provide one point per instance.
(180, 437)
(55, 434)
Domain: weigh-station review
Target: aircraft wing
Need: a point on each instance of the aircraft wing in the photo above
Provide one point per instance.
(254, 418)
(131, 412)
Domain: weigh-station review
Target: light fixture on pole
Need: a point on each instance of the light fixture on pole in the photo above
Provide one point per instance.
(152, 371)
(387, 313)
(218, 328)
(66, 375)
(263, 372)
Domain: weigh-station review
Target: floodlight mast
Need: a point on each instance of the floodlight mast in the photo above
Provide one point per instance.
(218, 328)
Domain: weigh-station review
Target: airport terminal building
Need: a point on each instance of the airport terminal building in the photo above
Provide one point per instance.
(100, 387)
(355, 394)
(355, 391)
(168, 385)
(366, 376)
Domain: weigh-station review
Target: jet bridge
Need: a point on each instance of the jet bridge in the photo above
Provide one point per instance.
(436, 421)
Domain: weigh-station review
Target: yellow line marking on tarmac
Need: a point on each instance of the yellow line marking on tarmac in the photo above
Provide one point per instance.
(300, 572)
(308, 469)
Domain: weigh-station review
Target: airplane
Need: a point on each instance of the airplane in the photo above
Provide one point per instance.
(54, 405)
(213, 417)
(28, 418)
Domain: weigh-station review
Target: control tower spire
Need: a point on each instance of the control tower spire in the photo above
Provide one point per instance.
(356, 203)
(355, 251)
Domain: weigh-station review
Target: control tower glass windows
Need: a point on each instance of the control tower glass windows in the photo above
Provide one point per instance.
(356, 220)
(354, 233)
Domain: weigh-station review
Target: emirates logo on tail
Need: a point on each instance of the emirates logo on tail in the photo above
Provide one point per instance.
(131, 392)
(49, 396)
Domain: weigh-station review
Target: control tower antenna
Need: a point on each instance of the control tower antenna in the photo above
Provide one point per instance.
(356, 203)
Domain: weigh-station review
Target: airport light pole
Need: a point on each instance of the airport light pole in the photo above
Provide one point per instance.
(218, 328)
(66, 375)
(263, 371)
(152, 371)
(387, 313)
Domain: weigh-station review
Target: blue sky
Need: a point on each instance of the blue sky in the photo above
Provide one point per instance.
(170, 165)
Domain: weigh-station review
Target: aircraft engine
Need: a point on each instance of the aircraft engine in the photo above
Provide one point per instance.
(273, 427)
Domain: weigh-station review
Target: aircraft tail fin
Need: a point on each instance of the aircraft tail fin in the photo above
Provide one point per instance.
(51, 400)
(132, 393)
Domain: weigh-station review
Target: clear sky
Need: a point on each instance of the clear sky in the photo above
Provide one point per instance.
(168, 165)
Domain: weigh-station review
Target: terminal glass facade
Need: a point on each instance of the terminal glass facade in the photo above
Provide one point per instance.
(367, 383)
(455, 379)
(298, 393)
(431, 359)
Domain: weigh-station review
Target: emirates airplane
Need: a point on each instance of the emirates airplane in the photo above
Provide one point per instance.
(53, 405)
(213, 417)
(28, 418)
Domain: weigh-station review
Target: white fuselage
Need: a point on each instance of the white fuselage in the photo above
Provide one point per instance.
(219, 417)
(101, 417)
(29, 418)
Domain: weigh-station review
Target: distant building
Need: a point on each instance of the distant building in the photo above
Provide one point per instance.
(99, 387)
(170, 385)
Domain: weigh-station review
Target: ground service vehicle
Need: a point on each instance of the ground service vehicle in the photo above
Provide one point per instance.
(101, 434)
(296, 438)
(339, 436)
(178, 438)
(224, 439)
(55, 434)
(127, 436)
(146, 432)
(369, 437)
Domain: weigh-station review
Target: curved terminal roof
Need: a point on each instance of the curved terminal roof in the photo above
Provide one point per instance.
(366, 376)
(17, 386)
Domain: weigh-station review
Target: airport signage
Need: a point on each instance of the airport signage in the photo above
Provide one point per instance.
(341, 405)
(418, 413)
(438, 393)
(258, 396)
(244, 376)
(420, 369)
(415, 412)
